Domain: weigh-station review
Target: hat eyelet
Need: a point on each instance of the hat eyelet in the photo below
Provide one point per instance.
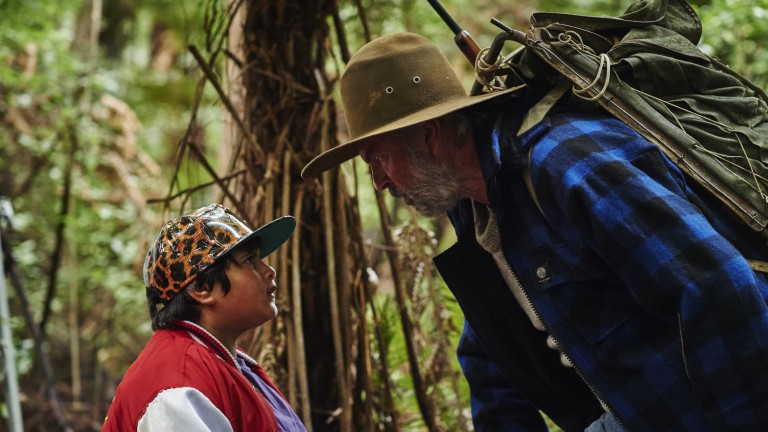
(416, 79)
(390, 90)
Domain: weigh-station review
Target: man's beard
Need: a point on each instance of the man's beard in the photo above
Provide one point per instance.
(433, 187)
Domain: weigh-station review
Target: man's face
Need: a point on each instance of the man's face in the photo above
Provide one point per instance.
(401, 163)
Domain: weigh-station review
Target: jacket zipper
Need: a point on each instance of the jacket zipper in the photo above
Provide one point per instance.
(594, 391)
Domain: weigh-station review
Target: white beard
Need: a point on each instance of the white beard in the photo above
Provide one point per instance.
(433, 187)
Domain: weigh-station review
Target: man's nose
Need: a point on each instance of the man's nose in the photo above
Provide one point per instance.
(380, 179)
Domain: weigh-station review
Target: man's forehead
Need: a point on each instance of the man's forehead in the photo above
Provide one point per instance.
(379, 142)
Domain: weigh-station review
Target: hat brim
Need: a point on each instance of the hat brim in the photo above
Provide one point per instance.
(344, 152)
(272, 235)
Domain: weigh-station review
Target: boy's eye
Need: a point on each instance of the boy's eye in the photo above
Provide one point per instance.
(253, 260)
(249, 263)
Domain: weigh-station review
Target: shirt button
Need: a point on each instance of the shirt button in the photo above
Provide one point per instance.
(542, 274)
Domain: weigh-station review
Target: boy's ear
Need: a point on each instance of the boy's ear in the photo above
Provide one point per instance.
(202, 296)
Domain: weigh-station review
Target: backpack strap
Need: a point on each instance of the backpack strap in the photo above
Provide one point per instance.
(533, 117)
(758, 266)
(542, 107)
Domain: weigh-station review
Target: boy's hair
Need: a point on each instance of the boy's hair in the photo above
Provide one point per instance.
(185, 308)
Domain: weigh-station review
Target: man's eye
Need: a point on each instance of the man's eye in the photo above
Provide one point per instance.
(370, 158)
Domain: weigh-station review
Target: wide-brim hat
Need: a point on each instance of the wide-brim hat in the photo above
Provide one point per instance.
(393, 82)
(188, 245)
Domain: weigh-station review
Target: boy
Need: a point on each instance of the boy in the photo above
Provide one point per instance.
(206, 286)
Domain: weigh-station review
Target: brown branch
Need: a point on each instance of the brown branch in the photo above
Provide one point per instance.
(345, 421)
(389, 405)
(60, 228)
(340, 34)
(186, 142)
(366, 299)
(224, 188)
(228, 104)
(36, 167)
(185, 139)
(193, 189)
(50, 381)
(363, 20)
(425, 404)
(344, 294)
(296, 310)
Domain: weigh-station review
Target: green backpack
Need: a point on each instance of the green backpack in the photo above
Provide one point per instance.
(645, 69)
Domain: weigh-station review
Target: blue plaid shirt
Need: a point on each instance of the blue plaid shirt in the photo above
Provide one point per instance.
(634, 272)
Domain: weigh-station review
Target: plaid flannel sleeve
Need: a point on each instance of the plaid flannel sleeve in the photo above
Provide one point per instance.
(496, 405)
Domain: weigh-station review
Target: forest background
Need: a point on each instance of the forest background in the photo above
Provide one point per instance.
(119, 115)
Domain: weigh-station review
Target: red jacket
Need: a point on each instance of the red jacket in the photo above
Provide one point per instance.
(173, 359)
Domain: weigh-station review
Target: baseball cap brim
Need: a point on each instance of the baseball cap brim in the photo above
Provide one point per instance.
(272, 235)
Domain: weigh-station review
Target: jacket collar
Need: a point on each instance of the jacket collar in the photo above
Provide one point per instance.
(206, 339)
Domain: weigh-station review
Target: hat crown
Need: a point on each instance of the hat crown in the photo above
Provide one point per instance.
(392, 78)
(188, 245)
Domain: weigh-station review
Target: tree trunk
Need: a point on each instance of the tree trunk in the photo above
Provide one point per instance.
(290, 115)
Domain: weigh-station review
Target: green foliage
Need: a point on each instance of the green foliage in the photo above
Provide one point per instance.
(736, 32)
(103, 126)
(439, 317)
(30, 20)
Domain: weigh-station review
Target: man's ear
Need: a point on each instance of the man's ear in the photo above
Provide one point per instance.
(431, 130)
(203, 296)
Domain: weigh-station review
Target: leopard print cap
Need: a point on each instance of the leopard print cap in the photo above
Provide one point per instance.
(188, 245)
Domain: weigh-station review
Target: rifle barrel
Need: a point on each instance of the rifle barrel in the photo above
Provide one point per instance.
(462, 38)
(447, 18)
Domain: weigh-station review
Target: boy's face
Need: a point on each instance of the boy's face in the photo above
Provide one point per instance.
(250, 301)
